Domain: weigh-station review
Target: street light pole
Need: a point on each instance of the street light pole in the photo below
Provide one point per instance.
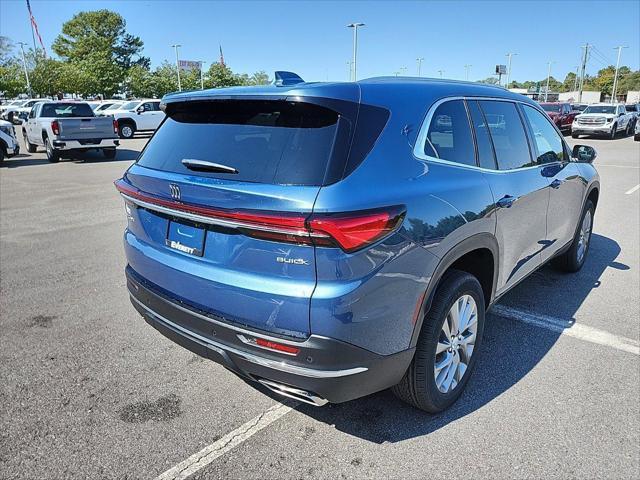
(176, 47)
(202, 62)
(509, 55)
(575, 80)
(440, 72)
(466, 72)
(24, 64)
(615, 77)
(420, 60)
(349, 67)
(355, 26)
(546, 92)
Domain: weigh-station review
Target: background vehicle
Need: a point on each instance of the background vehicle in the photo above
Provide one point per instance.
(68, 126)
(8, 143)
(603, 119)
(561, 113)
(101, 108)
(137, 116)
(12, 112)
(290, 249)
(636, 134)
(579, 107)
(633, 109)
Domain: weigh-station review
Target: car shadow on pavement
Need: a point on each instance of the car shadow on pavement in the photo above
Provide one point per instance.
(502, 364)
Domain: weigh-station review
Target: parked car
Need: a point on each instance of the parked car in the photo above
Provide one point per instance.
(69, 126)
(579, 107)
(603, 119)
(12, 113)
(320, 245)
(636, 133)
(633, 109)
(8, 143)
(101, 108)
(561, 113)
(137, 116)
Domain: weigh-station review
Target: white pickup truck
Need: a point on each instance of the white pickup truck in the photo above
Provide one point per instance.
(137, 115)
(603, 119)
(68, 126)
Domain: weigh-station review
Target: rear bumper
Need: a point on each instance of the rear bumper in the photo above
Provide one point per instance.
(325, 369)
(84, 145)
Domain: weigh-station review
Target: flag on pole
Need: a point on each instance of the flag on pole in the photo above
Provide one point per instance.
(221, 56)
(34, 25)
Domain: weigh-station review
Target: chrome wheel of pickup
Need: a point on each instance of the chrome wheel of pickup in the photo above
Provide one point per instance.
(456, 343)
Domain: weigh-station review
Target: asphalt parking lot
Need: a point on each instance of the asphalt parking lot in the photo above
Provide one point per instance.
(89, 390)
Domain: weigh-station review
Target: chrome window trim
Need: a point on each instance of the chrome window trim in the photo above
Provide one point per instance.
(418, 148)
(265, 362)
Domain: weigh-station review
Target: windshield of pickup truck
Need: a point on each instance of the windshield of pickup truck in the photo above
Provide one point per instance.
(550, 107)
(64, 110)
(600, 109)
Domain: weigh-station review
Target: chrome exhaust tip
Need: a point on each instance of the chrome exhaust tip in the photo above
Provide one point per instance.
(295, 393)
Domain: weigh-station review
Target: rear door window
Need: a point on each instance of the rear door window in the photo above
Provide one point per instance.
(274, 142)
(507, 133)
(449, 136)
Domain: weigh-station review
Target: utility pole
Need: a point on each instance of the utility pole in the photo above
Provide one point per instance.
(582, 70)
(355, 26)
(466, 72)
(440, 72)
(26, 73)
(420, 60)
(202, 62)
(176, 47)
(575, 80)
(546, 92)
(615, 77)
(509, 55)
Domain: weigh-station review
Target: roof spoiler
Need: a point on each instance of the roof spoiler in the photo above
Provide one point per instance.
(283, 78)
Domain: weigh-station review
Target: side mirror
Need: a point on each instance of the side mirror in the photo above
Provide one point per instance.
(621, 114)
(584, 153)
(140, 109)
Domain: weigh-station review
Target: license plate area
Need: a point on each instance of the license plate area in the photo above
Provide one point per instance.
(186, 237)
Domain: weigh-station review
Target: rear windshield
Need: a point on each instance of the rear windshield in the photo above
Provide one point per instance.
(273, 142)
(66, 110)
(550, 107)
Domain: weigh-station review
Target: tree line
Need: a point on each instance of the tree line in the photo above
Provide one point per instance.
(98, 57)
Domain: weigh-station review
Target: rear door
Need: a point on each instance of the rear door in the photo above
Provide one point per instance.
(519, 189)
(249, 267)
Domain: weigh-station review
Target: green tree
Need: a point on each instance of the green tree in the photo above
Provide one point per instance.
(220, 75)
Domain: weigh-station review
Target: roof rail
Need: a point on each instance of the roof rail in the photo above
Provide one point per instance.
(283, 78)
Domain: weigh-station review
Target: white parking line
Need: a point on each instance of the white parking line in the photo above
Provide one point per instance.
(570, 329)
(231, 440)
(616, 166)
(631, 190)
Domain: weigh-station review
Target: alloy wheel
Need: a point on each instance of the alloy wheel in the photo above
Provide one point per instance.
(456, 343)
(584, 236)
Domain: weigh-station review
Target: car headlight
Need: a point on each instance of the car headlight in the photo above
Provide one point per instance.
(608, 120)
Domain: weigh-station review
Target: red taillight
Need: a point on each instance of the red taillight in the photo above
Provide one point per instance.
(280, 347)
(349, 231)
(115, 126)
(55, 127)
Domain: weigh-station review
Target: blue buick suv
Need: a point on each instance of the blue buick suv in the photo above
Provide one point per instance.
(331, 240)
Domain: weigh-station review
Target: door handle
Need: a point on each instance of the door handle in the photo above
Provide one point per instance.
(506, 201)
(556, 183)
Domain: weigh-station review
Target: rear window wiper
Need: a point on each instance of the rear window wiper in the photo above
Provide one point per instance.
(204, 166)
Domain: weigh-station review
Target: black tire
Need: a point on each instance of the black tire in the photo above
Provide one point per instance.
(614, 130)
(109, 152)
(571, 261)
(629, 130)
(52, 155)
(126, 130)
(31, 148)
(2, 155)
(636, 137)
(418, 386)
(574, 135)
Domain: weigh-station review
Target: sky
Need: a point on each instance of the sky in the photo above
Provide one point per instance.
(311, 38)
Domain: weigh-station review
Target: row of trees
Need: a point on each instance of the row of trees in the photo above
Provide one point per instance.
(98, 57)
(628, 80)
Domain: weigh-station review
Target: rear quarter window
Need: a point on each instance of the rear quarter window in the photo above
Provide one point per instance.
(449, 135)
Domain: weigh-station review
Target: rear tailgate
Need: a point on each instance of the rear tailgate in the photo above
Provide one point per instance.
(85, 128)
(222, 242)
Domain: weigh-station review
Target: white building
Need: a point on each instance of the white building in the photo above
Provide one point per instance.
(587, 97)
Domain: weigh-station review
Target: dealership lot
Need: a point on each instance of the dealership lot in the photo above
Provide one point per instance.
(90, 390)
